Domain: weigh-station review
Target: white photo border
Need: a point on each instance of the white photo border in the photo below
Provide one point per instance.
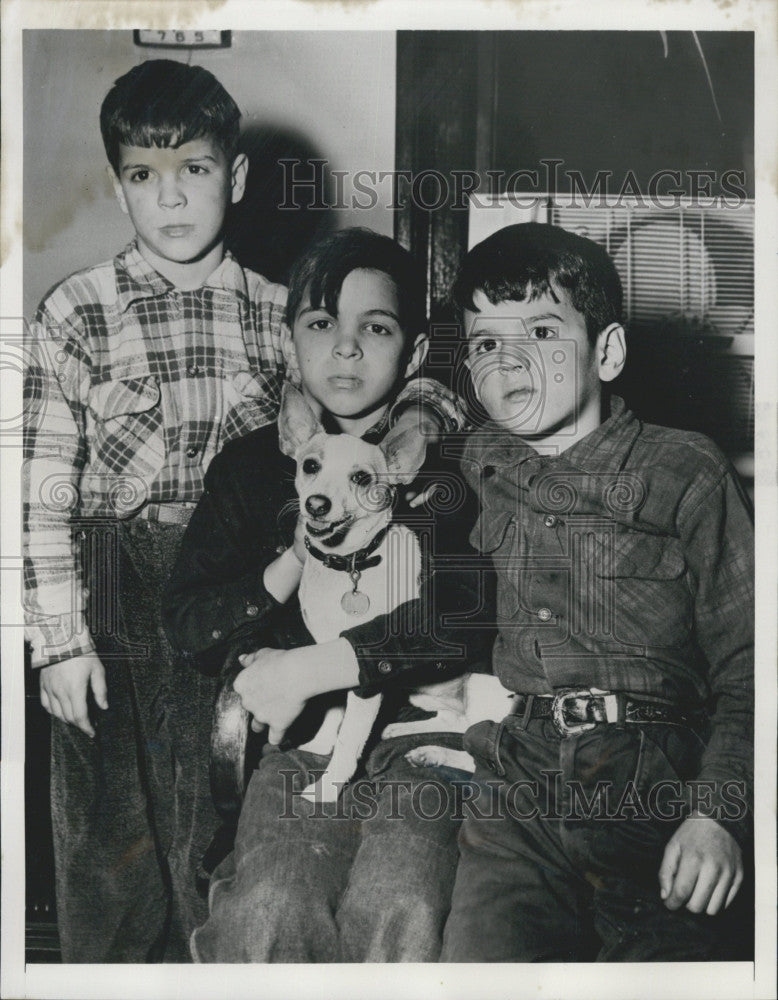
(725, 981)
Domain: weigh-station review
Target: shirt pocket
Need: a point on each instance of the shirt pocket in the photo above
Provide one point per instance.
(493, 531)
(127, 433)
(644, 584)
(640, 555)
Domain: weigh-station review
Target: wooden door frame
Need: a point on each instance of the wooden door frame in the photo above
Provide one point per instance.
(445, 123)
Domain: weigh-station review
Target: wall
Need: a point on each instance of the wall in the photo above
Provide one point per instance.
(329, 95)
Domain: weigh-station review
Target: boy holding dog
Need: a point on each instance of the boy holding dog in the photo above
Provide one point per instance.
(367, 878)
(141, 369)
(616, 812)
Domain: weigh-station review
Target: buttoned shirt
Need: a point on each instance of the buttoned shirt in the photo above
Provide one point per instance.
(625, 563)
(132, 386)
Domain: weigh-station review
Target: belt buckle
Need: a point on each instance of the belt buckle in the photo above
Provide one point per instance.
(563, 727)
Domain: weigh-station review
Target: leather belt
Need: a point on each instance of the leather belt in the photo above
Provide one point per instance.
(574, 710)
(167, 513)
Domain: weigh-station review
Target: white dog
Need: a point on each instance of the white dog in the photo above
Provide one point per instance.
(360, 565)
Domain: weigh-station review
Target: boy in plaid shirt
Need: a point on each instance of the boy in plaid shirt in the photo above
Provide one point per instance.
(614, 799)
(141, 369)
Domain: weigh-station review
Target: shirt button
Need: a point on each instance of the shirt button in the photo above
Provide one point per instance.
(194, 370)
(550, 520)
(191, 452)
(216, 634)
(384, 667)
(545, 615)
(252, 610)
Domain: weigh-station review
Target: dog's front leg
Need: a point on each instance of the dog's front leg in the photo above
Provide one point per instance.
(358, 722)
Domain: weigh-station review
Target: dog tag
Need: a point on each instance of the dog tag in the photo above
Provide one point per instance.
(354, 602)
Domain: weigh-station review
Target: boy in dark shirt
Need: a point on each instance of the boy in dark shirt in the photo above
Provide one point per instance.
(624, 558)
(373, 882)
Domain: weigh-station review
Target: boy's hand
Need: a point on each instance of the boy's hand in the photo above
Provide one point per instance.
(64, 687)
(417, 499)
(426, 424)
(702, 867)
(275, 684)
(271, 690)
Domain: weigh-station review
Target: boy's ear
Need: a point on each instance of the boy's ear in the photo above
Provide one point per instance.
(404, 451)
(239, 172)
(611, 352)
(117, 189)
(418, 354)
(297, 423)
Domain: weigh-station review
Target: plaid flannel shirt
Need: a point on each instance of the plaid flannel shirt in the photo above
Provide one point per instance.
(626, 563)
(132, 387)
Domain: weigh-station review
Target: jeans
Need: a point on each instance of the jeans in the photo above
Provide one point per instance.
(366, 879)
(131, 809)
(540, 881)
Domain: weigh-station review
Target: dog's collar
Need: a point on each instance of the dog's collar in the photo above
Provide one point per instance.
(354, 561)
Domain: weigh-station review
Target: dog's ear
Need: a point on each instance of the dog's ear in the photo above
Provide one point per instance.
(297, 423)
(404, 452)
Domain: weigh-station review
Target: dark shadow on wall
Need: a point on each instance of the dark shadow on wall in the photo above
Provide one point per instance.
(286, 206)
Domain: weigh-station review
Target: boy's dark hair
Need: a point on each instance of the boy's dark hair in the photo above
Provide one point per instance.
(166, 103)
(323, 268)
(520, 262)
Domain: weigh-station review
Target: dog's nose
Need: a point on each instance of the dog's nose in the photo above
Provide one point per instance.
(318, 505)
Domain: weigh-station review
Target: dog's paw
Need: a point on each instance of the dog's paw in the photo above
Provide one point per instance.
(322, 791)
(428, 756)
(432, 756)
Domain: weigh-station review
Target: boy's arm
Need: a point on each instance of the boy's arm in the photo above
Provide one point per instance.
(428, 404)
(55, 389)
(450, 628)
(702, 866)
(55, 384)
(229, 578)
(419, 642)
(403, 647)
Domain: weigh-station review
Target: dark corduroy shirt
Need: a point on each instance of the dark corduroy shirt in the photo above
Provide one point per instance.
(627, 564)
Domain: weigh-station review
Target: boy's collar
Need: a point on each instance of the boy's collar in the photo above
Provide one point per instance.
(372, 435)
(137, 279)
(606, 448)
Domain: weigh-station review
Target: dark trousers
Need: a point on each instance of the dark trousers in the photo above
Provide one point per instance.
(539, 880)
(131, 809)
